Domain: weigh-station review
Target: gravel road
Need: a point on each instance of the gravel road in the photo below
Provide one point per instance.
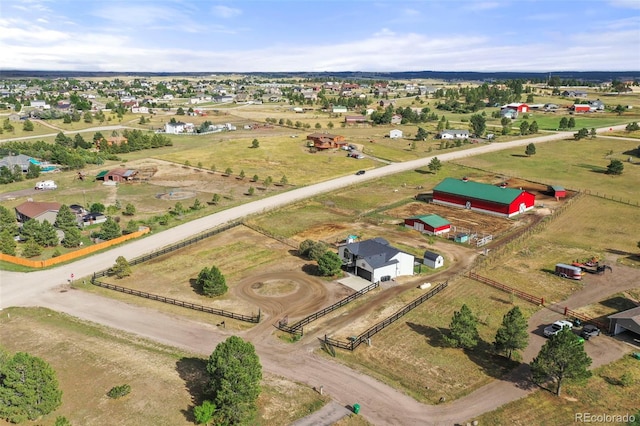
(381, 404)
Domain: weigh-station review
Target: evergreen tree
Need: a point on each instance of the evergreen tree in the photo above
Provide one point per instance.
(7, 243)
(8, 221)
(28, 388)
(110, 230)
(421, 134)
(47, 235)
(72, 237)
(211, 282)
(129, 210)
(564, 123)
(215, 199)
(463, 328)
(33, 171)
(435, 165)
(31, 249)
(561, 357)
(30, 230)
(530, 150)
(65, 218)
(478, 124)
(235, 374)
(571, 123)
(512, 335)
(329, 264)
(615, 167)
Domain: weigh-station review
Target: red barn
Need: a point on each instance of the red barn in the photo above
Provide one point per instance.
(558, 191)
(518, 106)
(482, 197)
(581, 107)
(431, 224)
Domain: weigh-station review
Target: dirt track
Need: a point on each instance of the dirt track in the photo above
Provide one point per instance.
(382, 405)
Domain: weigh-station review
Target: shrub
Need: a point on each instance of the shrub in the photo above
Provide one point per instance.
(119, 391)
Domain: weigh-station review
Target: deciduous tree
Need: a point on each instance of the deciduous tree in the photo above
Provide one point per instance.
(121, 268)
(561, 357)
(615, 167)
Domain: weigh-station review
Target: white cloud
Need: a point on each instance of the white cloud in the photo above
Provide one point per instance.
(627, 4)
(225, 11)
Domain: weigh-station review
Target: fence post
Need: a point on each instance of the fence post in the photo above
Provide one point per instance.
(565, 310)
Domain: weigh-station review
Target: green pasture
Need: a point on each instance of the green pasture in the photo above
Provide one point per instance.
(578, 165)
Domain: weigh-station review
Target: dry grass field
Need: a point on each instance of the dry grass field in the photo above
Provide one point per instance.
(165, 382)
(604, 393)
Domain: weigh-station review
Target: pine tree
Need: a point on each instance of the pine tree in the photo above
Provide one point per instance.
(7, 243)
(29, 388)
(31, 249)
(512, 335)
(110, 230)
(48, 236)
(463, 327)
(211, 282)
(72, 237)
(65, 218)
(8, 221)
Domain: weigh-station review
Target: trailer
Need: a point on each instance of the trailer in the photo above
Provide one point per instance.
(568, 271)
(46, 184)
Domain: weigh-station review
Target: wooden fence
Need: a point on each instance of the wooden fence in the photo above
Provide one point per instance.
(297, 328)
(356, 341)
(521, 294)
(246, 318)
(74, 254)
(173, 247)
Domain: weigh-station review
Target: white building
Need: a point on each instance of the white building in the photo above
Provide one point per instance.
(453, 134)
(395, 134)
(175, 128)
(375, 260)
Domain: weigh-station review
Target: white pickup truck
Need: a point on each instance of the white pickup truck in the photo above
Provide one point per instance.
(555, 328)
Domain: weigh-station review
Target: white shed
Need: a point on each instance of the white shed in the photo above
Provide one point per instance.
(433, 260)
(395, 134)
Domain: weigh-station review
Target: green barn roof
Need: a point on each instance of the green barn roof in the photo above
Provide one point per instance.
(102, 174)
(477, 190)
(433, 220)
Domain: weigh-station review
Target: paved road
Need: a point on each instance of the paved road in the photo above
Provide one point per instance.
(381, 404)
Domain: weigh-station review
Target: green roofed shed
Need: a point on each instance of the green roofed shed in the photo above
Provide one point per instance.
(102, 174)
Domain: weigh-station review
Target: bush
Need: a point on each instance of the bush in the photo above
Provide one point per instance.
(119, 391)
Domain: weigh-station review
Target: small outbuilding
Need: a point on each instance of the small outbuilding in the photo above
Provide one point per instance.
(431, 224)
(433, 260)
(461, 238)
(558, 191)
(395, 134)
(375, 260)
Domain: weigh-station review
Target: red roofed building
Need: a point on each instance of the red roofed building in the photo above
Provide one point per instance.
(326, 140)
(39, 211)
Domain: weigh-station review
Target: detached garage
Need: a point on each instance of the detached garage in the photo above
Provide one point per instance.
(431, 224)
(628, 320)
(483, 197)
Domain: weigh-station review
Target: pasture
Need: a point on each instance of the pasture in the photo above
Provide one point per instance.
(165, 382)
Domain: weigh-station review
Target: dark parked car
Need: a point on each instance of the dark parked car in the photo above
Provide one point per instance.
(360, 172)
(589, 331)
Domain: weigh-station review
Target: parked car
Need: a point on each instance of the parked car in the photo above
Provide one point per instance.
(555, 328)
(360, 172)
(589, 331)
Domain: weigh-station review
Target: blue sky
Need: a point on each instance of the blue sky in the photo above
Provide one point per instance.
(307, 35)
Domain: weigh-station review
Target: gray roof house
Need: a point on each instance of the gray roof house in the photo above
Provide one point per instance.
(376, 260)
(509, 113)
(628, 320)
(21, 160)
(453, 134)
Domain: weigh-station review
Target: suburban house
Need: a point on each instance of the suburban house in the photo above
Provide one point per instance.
(175, 128)
(597, 105)
(117, 175)
(93, 218)
(574, 93)
(20, 160)
(355, 119)
(432, 259)
(453, 134)
(518, 106)
(375, 260)
(40, 104)
(628, 320)
(396, 119)
(326, 140)
(140, 109)
(431, 224)
(483, 197)
(395, 134)
(37, 210)
(338, 109)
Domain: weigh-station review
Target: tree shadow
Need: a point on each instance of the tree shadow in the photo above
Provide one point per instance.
(593, 168)
(194, 285)
(612, 381)
(423, 172)
(520, 155)
(311, 269)
(194, 373)
(435, 336)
